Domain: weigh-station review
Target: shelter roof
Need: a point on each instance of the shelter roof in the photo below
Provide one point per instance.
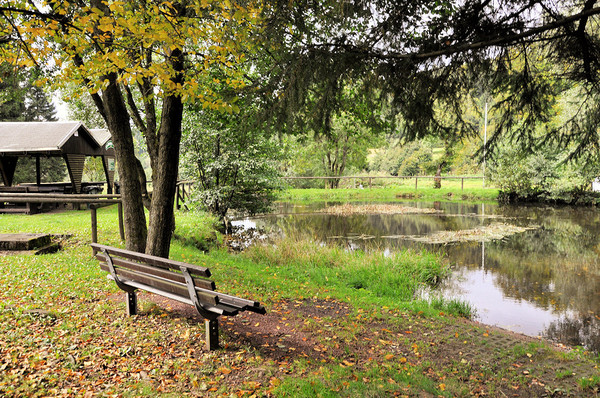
(102, 136)
(50, 138)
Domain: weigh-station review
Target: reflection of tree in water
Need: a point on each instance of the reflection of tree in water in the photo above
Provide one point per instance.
(554, 267)
(576, 332)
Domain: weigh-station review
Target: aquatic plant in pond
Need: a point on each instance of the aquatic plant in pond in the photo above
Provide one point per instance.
(485, 233)
(347, 209)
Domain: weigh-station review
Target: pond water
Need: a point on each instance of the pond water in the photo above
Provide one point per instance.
(541, 282)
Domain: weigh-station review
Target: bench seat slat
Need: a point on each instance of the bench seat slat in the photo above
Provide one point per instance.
(153, 260)
(254, 308)
(126, 276)
(220, 309)
(240, 302)
(160, 272)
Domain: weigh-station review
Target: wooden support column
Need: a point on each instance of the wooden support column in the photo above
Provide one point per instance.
(38, 171)
(7, 169)
(94, 223)
(108, 163)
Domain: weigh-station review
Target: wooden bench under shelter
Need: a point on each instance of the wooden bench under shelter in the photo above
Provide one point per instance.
(186, 283)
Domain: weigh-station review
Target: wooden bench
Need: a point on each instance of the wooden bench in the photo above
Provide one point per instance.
(176, 280)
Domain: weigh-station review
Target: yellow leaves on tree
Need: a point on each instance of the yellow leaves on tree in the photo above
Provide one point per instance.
(134, 40)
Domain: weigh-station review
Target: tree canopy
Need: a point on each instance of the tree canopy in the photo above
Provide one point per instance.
(142, 60)
(139, 61)
(428, 58)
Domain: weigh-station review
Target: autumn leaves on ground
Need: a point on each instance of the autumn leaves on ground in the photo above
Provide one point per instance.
(338, 324)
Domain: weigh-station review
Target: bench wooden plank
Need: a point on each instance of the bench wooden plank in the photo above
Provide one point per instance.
(153, 260)
(126, 276)
(161, 272)
(220, 309)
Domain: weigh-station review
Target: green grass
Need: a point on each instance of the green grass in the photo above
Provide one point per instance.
(198, 229)
(390, 194)
(370, 278)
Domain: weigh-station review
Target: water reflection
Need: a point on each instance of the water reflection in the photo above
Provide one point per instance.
(544, 281)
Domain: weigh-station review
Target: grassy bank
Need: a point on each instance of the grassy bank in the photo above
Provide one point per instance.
(391, 194)
(338, 324)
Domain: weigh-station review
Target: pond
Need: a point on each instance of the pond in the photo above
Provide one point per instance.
(544, 281)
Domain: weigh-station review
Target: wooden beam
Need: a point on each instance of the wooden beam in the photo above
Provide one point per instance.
(38, 171)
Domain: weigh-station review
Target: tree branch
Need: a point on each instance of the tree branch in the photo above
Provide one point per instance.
(133, 110)
(459, 48)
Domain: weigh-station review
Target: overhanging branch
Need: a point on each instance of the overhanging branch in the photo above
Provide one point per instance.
(459, 48)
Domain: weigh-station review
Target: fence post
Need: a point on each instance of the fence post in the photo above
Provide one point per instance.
(462, 184)
(416, 182)
(370, 182)
(94, 223)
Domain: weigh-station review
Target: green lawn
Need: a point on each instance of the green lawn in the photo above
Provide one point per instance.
(448, 192)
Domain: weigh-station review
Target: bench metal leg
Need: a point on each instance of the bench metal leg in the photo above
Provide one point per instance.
(212, 334)
(131, 300)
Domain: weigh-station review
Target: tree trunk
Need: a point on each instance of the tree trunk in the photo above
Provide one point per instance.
(117, 120)
(437, 180)
(164, 179)
(164, 176)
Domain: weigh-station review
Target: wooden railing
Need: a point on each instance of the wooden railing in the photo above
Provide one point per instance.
(93, 202)
(184, 189)
(371, 178)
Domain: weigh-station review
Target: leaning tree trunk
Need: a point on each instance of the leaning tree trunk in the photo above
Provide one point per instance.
(165, 172)
(117, 120)
(164, 179)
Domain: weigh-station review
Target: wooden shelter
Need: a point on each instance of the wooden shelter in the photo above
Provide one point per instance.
(71, 141)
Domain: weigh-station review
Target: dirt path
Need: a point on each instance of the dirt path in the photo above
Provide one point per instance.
(459, 357)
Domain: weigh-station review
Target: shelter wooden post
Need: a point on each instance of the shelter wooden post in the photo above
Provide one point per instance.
(7, 169)
(94, 223)
(38, 171)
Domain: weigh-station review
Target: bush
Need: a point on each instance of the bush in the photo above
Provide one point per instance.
(541, 176)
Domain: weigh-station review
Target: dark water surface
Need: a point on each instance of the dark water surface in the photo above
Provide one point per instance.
(544, 281)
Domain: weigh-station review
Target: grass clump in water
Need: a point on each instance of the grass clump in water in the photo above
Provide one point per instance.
(397, 276)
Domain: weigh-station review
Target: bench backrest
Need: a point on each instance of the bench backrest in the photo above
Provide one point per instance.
(157, 272)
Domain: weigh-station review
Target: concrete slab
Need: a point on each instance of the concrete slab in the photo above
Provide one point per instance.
(24, 241)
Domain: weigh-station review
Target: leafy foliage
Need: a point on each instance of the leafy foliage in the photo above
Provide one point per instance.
(139, 62)
(233, 165)
(542, 175)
